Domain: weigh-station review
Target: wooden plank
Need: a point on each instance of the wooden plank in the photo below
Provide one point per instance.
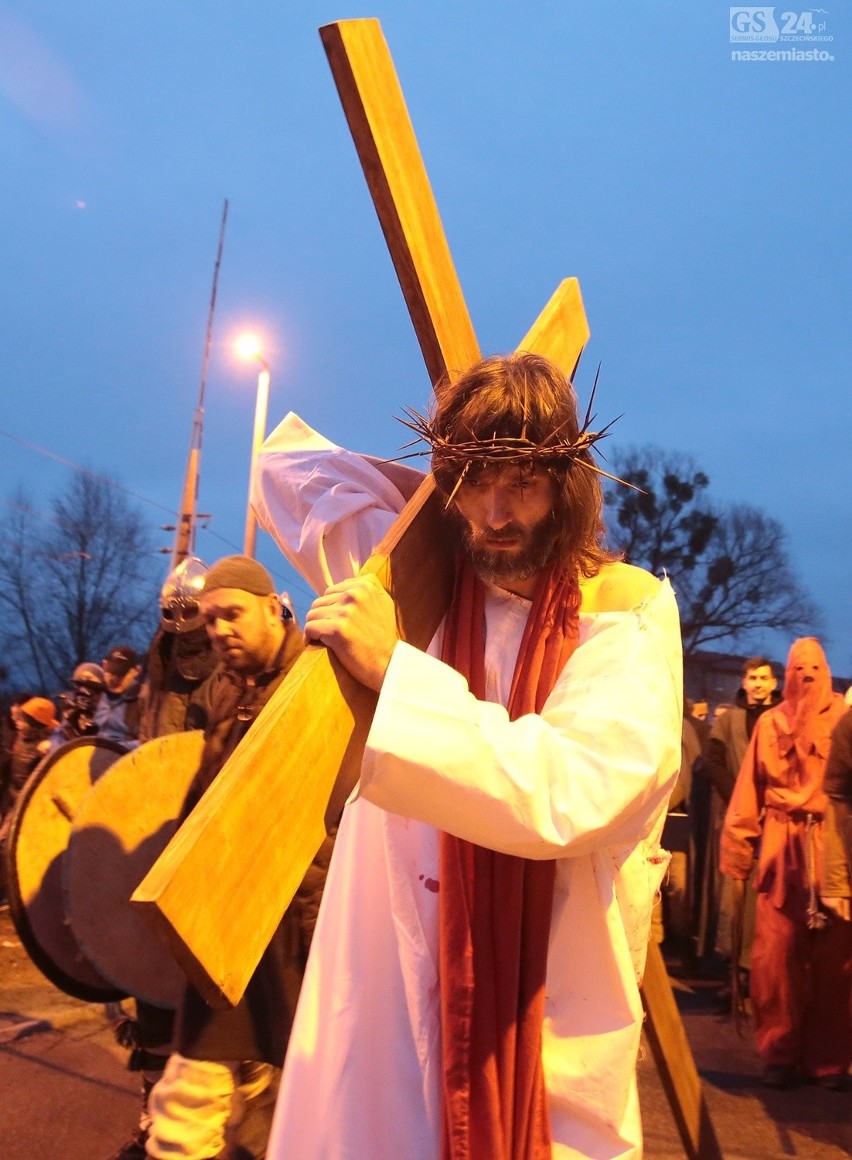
(675, 1064)
(396, 176)
(562, 329)
(314, 727)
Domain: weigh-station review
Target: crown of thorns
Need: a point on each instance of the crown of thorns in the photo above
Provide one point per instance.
(508, 449)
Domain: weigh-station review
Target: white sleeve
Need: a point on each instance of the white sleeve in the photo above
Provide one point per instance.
(593, 770)
(326, 508)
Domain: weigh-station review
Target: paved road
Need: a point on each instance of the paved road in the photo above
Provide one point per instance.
(67, 1096)
(751, 1122)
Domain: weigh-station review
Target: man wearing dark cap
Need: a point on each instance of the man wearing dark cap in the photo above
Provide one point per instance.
(117, 713)
(217, 1093)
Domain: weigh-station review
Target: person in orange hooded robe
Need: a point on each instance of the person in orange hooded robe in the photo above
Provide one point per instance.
(802, 958)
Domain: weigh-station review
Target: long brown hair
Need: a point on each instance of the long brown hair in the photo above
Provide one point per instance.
(526, 397)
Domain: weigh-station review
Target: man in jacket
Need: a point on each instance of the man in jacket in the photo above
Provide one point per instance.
(116, 714)
(216, 1095)
(725, 750)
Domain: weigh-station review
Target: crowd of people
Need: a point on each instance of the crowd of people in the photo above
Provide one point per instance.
(103, 701)
(531, 785)
(225, 642)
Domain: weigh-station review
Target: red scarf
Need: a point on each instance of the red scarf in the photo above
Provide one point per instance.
(495, 914)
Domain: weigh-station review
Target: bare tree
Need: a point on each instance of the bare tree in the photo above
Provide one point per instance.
(729, 566)
(76, 584)
(665, 525)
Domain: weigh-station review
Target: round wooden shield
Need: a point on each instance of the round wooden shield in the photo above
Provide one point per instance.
(35, 853)
(119, 831)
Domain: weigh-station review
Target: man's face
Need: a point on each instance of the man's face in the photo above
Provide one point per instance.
(507, 526)
(245, 630)
(759, 685)
(118, 682)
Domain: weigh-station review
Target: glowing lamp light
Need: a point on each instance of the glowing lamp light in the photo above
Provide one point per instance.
(249, 347)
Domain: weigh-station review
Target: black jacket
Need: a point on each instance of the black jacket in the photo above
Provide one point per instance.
(258, 1028)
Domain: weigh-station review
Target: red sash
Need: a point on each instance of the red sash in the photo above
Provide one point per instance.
(495, 914)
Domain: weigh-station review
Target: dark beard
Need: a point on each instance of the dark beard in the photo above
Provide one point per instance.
(507, 567)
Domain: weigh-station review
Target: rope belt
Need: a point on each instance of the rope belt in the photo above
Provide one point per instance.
(816, 918)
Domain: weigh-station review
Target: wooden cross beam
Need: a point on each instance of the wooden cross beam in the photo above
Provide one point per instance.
(675, 1063)
(302, 756)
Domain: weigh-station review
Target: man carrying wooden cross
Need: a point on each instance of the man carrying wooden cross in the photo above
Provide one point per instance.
(472, 990)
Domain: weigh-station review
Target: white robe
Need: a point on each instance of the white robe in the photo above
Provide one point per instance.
(585, 783)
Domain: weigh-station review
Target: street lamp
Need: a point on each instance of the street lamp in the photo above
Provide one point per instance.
(248, 347)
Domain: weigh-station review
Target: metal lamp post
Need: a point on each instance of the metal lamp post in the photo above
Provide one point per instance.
(249, 347)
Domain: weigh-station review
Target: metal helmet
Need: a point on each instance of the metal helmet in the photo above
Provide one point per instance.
(180, 594)
(288, 608)
(88, 674)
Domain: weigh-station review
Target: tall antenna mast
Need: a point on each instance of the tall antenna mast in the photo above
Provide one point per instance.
(185, 529)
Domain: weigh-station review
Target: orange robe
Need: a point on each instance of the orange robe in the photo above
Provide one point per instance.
(802, 957)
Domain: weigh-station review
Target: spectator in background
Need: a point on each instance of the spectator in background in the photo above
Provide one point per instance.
(672, 918)
(838, 781)
(801, 971)
(702, 816)
(8, 733)
(726, 749)
(731, 734)
(174, 697)
(117, 713)
(180, 659)
(34, 720)
(12, 773)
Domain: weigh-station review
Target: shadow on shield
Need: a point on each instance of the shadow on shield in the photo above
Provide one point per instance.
(120, 829)
(89, 824)
(35, 853)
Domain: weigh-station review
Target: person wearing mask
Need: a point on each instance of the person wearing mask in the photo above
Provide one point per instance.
(801, 971)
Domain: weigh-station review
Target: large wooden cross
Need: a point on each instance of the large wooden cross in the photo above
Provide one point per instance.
(245, 848)
(267, 807)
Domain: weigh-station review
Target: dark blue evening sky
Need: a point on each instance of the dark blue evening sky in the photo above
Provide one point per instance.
(702, 201)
